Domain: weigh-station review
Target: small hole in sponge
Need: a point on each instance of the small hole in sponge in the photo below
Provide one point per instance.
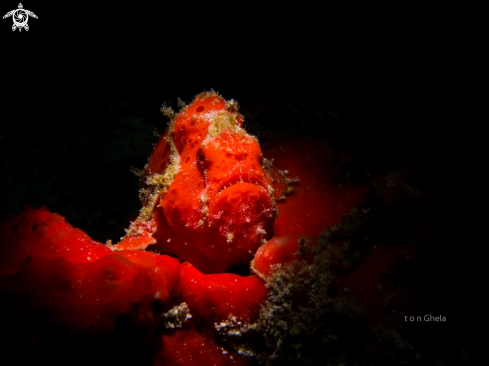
(200, 108)
(186, 160)
(240, 269)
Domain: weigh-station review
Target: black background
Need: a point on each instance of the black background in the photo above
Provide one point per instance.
(82, 89)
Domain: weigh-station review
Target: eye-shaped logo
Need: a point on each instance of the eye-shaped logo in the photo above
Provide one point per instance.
(20, 17)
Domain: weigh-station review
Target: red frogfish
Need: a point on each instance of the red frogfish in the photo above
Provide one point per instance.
(207, 195)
